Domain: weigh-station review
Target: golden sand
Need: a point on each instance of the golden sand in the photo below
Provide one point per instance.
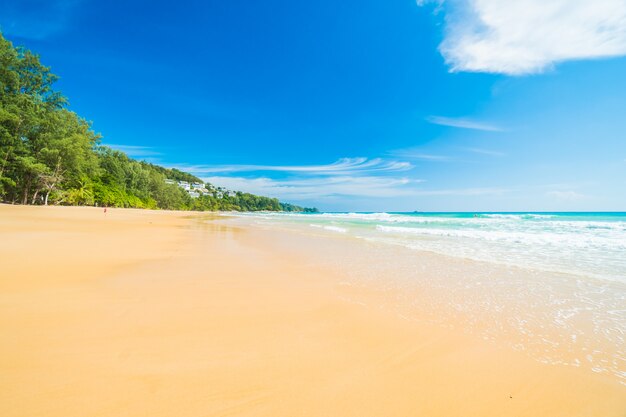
(141, 313)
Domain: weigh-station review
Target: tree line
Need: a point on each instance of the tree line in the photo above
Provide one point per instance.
(50, 155)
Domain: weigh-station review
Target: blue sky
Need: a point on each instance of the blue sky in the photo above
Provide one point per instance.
(354, 105)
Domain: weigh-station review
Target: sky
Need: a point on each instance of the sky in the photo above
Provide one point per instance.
(369, 105)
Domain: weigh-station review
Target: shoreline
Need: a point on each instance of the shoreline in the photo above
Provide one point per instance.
(534, 311)
(171, 313)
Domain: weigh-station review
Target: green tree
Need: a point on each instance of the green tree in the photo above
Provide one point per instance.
(49, 155)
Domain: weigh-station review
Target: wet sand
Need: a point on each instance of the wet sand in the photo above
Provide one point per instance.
(150, 313)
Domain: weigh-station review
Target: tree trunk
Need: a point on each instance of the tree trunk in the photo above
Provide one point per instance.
(34, 197)
(26, 191)
(6, 158)
(57, 178)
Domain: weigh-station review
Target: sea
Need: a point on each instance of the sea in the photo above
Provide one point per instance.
(589, 244)
(553, 282)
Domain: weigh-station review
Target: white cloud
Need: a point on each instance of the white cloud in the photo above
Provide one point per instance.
(462, 123)
(345, 178)
(348, 177)
(417, 153)
(427, 156)
(488, 152)
(342, 166)
(527, 36)
(316, 188)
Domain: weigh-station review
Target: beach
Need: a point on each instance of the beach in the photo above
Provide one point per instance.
(161, 313)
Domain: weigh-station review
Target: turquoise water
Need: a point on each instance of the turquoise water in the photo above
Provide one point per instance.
(553, 283)
(587, 244)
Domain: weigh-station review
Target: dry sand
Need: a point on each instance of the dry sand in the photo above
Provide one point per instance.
(143, 313)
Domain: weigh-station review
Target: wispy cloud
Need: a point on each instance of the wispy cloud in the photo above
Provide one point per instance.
(346, 177)
(342, 166)
(463, 123)
(488, 152)
(135, 151)
(528, 36)
(316, 188)
(419, 154)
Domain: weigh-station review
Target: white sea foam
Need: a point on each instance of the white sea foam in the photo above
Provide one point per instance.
(540, 238)
(588, 245)
(331, 228)
(558, 280)
(517, 216)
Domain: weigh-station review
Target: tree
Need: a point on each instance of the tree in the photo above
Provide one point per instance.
(49, 155)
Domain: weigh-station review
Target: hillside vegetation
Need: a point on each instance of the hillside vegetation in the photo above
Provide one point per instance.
(50, 155)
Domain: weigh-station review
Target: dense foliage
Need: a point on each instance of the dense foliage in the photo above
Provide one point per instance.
(49, 155)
